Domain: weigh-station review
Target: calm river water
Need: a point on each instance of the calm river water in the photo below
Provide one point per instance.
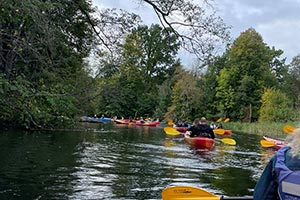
(120, 162)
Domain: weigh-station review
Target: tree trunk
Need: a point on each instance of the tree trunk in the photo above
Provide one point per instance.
(250, 113)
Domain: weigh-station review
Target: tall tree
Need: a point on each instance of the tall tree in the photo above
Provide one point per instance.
(149, 55)
(186, 97)
(42, 46)
(196, 25)
(245, 75)
(292, 82)
(208, 83)
(153, 51)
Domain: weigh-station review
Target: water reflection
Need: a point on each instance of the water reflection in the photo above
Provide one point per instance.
(121, 162)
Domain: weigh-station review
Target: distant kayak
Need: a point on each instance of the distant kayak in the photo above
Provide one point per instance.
(145, 123)
(95, 119)
(137, 122)
(200, 142)
(123, 121)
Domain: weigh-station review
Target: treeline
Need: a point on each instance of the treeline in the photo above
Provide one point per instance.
(47, 80)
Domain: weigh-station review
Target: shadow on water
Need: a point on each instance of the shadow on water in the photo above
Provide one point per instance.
(120, 162)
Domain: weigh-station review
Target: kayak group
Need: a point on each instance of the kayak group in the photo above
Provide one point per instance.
(102, 119)
(280, 178)
(202, 136)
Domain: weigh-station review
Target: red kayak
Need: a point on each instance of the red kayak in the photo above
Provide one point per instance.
(200, 142)
(181, 129)
(278, 143)
(138, 123)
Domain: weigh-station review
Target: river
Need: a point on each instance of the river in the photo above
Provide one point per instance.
(122, 162)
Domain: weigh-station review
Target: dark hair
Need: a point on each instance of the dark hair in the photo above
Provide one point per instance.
(196, 121)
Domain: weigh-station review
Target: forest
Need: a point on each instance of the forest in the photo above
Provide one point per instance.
(63, 59)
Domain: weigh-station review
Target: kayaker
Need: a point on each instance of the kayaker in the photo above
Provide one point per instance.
(281, 177)
(192, 131)
(205, 130)
(200, 129)
(212, 125)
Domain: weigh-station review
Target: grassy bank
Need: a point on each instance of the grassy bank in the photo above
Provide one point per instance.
(270, 129)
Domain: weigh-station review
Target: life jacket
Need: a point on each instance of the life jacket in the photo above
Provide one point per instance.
(288, 180)
(202, 131)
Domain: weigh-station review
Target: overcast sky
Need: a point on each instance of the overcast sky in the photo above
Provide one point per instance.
(277, 21)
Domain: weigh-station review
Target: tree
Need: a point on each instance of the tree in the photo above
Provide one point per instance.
(42, 46)
(275, 107)
(153, 51)
(197, 26)
(149, 55)
(292, 82)
(208, 84)
(245, 75)
(112, 27)
(186, 97)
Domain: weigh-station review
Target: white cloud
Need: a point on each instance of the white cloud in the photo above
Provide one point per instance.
(146, 13)
(283, 34)
(277, 21)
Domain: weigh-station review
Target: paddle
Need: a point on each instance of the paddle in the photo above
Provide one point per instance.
(219, 120)
(170, 122)
(226, 120)
(288, 129)
(266, 143)
(193, 193)
(171, 131)
(219, 131)
(228, 141)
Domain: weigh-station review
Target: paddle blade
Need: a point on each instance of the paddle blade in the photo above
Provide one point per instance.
(266, 143)
(219, 131)
(288, 129)
(187, 193)
(226, 120)
(171, 131)
(219, 120)
(228, 141)
(170, 122)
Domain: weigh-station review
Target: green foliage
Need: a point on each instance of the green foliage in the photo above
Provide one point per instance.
(152, 51)
(245, 75)
(163, 98)
(291, 84)
(208, 84)
(42, 48)
(149, 55)
(23, 106)
(276, 107)
(225, 94)
(185, 97)
(44, 82)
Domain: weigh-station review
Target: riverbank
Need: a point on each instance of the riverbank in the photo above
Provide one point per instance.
(270, 129)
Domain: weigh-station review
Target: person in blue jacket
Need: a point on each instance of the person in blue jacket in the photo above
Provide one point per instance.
(281, 177)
